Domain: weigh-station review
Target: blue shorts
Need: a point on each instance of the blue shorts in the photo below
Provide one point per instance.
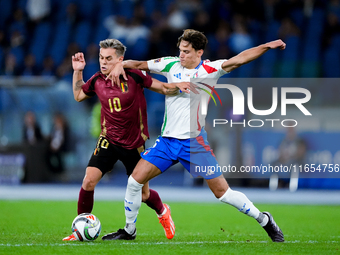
(194, 154)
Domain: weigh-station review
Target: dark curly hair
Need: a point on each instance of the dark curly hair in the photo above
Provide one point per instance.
(197, 39)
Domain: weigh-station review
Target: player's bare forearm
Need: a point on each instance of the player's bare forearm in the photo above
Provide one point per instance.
(159, 87)
(169, 88)
(170, 91)
(134, 64)
(251, 54)
(78, 82)
(172, 88)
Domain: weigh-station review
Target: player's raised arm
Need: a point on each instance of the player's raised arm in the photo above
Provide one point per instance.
(118, 70)
(251, 54)
(134, 64)
(169, 88)
(78, 64)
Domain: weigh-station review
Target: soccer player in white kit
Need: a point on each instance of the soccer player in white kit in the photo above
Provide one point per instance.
(180, 143)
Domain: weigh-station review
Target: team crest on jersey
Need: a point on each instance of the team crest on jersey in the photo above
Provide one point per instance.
(124, 86)
(195, 75)
(157, 60)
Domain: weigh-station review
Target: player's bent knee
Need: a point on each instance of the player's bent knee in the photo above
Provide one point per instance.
(92, 177)
(89, 183)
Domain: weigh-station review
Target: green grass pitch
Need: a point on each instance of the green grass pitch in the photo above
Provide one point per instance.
(37, 227)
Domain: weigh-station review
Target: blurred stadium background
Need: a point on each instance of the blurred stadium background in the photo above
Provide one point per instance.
(38, 37)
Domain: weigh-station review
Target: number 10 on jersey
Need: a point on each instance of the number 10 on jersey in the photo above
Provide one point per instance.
(115, 104)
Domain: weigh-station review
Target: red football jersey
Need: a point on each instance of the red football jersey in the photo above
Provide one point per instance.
(123, 113)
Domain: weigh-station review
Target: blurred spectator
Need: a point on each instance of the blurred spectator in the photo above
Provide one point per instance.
(37, 10)
(17, 39)
(222, 37)
(176, 18)
(64, 70)
(139, 13)
(136, 31)
(72, 49)
(135, 35)
(58, 143)
(11, 66)
(48, 67)
(30, 68)
(117, 26)
(334, 7)
(157, 20)
(287, 29)
(157, 44)
(240, 39)
(92, 55)
(202, 22)
(292, 149)
(72, 14)
(17, 43)
(190, 8)
(92, 66)
(191, 5)
(270, 10)
(332, 28)
(19, 23)
(31, 130)
(175, 22)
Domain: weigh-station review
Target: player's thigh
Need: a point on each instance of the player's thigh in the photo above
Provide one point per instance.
(160, 155)
(129, 158)
(91, 179)
(104, 156)
(145, 171)
(200, 164)
(198, 158)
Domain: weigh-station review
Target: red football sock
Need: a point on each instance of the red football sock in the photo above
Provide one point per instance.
(155, 202)
(85, 201)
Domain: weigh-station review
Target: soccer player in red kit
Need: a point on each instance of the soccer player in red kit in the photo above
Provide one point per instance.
(123, 123)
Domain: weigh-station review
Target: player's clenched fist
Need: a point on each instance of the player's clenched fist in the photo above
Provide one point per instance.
(276, 44)
(78, 62)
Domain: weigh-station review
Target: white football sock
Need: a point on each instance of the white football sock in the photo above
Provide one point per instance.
(262, 219)
(132, 203)
(241, 202)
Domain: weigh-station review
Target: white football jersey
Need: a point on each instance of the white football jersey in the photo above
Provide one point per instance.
(182, 109)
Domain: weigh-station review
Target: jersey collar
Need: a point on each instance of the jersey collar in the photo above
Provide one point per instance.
(199, 65)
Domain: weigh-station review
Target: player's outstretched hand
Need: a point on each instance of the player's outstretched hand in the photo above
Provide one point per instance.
(184, 86)
(116, 72)
(78, 61)
(187, 87)
(277, 44)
